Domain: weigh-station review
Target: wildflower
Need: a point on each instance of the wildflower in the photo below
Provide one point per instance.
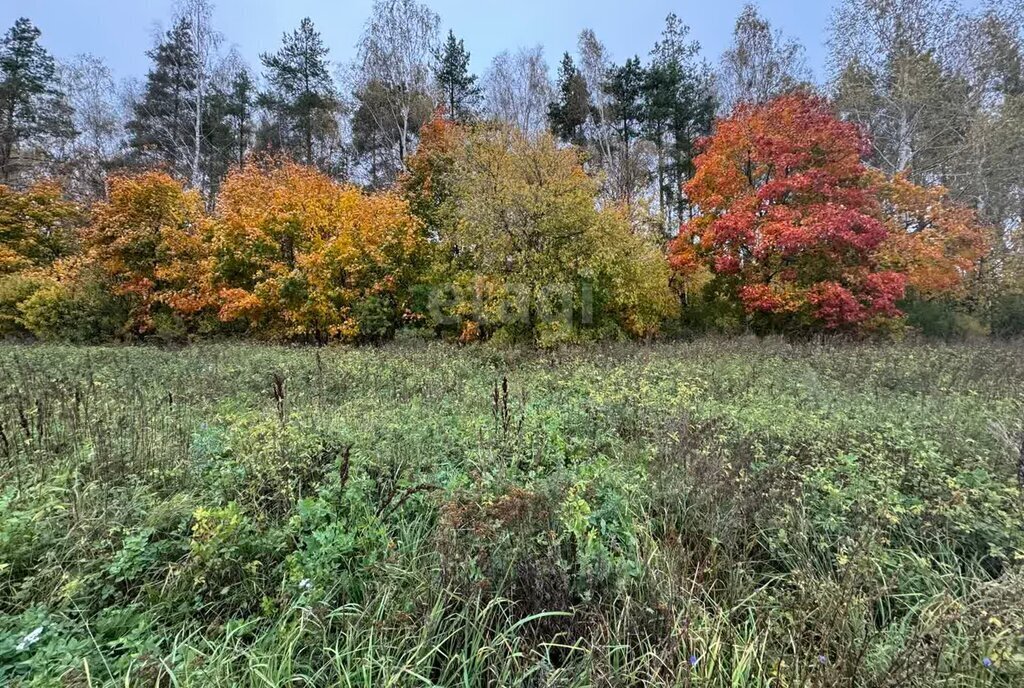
(305, 584)
(30, 640)
(693, 661)
(822, 659)
(987, 662)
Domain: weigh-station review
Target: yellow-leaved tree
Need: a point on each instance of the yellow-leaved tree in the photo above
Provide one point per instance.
(37, 229)
(525, 249)
(297, 255)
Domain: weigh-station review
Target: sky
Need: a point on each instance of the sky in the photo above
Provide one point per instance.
(120, 31)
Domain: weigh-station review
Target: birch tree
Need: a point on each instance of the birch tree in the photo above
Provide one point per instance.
(760, 63)
(396, 56)
(518, 89)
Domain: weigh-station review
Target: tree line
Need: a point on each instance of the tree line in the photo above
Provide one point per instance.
(512, 196)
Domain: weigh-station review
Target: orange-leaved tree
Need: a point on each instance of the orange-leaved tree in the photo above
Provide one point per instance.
(937, 243)
(149, 238)
(428, 181)
(299, 255)
(792, 226)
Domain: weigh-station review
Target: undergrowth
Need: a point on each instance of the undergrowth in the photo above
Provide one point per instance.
(720, 513)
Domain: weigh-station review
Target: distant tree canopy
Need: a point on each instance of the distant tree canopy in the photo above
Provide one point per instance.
(303, 199)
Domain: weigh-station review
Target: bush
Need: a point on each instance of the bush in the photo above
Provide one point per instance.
(15, 290)
(941, 319)
(80, 310)
(1008, 316)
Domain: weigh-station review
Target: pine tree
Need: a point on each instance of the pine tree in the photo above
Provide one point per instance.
(239, 106)
(679, 109)
(301, 94)
(461, 93)
(625, 87)
(569, 114)
(219, 145)
(31, 105)
(162, 130)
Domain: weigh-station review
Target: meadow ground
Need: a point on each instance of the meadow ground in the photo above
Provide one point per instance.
(716, 513)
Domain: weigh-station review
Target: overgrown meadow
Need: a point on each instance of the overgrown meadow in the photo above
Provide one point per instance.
(716, 513)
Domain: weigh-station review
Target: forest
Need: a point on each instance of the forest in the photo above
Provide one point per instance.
(403, 195)
(670, 371)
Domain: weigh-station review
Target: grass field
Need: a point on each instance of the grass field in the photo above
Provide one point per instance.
(720, 513)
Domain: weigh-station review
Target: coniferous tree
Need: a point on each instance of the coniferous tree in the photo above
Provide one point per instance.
(568, 115)
(162, 129)
(219, 144)
(679, 109)
(31, 104)
(625, 87)
(461, 93)
(240, 103)
(301, 94)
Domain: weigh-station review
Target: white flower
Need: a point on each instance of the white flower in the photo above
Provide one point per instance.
(305, 584)
(30, 640)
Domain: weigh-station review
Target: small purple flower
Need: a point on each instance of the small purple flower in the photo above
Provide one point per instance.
(987, 662)
(822, 659)
(693, 661)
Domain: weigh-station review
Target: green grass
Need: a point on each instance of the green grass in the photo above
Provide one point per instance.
(721, 513)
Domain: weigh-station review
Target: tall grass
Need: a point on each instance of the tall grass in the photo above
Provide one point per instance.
(721, 513)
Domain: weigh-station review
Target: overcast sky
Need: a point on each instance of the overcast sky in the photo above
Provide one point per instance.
(120, 31)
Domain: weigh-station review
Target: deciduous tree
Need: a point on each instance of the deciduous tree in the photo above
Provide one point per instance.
(98, 119)
(299, 255)
(37, 227)
(759, 64)
(936, 243)
(149, 239)
(396, 56)
(787, 224)
(517, 89)
(530, 251)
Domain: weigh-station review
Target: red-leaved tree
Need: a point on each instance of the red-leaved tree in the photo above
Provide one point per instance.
(790, 224)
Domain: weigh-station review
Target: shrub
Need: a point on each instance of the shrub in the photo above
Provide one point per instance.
(1007, 316)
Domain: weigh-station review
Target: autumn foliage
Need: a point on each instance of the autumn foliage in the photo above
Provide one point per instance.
(37, 227)
(297, 254)
(493, 232)
(149, 240)
(797, 230)
(521, 238)
(936, 243)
